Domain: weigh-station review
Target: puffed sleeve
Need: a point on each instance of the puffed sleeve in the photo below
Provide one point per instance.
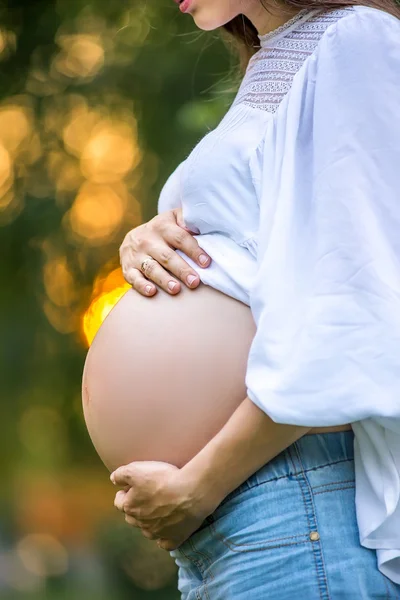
(170, 195)
(326, 296)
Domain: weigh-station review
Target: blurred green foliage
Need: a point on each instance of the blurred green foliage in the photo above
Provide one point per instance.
(99, 102)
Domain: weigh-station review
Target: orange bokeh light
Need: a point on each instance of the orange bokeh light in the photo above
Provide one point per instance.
(6, 169)
(16, 126)
(79, 127)
(107, 292)
(59, 282)
(98, 211)
(82, 56)
(110, 153)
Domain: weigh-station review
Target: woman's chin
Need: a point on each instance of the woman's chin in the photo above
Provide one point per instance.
(163, 375)
(207, 20)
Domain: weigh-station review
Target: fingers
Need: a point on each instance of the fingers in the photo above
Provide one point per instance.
(139, 282)
(119, 500)
(122, 476)
(176, 265)
(159, 239)
(156, 273)
(148, 535)
(132, 521)
(168, 545)
(119, 503)
(179, 238)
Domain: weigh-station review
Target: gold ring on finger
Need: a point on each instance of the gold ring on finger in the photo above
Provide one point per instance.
(143, 265)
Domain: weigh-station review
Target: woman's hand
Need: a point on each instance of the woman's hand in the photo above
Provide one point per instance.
(158, 239)
(161, 502)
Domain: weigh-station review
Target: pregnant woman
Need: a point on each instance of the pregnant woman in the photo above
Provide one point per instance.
(294, 492)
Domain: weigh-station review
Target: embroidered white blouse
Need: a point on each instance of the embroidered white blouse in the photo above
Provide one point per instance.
(296, 194)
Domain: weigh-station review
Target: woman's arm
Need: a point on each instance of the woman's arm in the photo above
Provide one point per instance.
(247, 441)
(168, 504)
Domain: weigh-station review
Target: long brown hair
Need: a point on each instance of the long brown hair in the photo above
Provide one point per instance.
(243, 34)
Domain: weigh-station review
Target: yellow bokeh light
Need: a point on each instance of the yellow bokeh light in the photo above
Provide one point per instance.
(79, 127)
(5, 169)
(59, 283)
(64, 171)
(10, 207)
(6, 196)
(98, 211)
(63, 319)
(110, 153)
(106, 291)
(82, 56)
(16, 125)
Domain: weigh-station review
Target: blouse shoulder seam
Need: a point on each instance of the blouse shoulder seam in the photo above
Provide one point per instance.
(328, 31)
(366, 11)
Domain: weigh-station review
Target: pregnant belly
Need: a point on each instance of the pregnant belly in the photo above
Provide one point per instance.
(164, 374)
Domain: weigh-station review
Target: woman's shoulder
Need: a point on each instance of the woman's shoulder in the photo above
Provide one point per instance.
(361, 15)
(358, 49)
(360, 30)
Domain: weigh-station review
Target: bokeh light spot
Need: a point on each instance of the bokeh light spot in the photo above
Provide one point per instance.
(107, 291)
(78, 129)
(5, 169)
(59, 282)
(98, 211)
(110, 153)
(16, 126)
(82, 56)
(99, 310)
(43, 555)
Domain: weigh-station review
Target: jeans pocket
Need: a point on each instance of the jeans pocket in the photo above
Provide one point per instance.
(268, 515)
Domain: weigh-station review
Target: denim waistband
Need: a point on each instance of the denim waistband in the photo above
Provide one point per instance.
(309, 452)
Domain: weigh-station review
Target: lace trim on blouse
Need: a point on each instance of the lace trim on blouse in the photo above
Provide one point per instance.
(270, 72)
(264, 39)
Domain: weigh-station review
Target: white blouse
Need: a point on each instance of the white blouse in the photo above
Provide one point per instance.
(296, 194)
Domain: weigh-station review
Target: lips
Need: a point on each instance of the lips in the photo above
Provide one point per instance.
(183, 5)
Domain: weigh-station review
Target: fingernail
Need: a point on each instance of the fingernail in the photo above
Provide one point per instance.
(112, 478)
(148, 289)
(190, 279)
(171, 285)
(203, 259)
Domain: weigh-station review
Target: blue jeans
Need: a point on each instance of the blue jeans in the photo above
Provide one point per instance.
(289, 532)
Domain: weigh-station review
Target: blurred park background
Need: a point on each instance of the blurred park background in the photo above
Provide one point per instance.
(99, 102)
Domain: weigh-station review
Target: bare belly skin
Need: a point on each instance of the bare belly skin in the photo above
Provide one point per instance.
(164, 374)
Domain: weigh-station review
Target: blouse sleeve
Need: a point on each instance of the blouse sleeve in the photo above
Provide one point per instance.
(170, 195)
(326, 296)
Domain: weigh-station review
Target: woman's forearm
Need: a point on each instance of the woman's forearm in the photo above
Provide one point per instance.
(247, 441)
